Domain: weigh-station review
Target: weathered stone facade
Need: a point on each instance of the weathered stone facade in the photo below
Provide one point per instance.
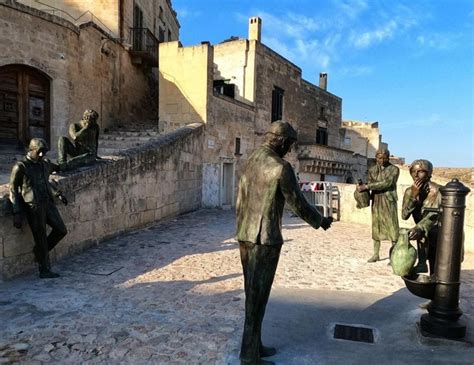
(115, 16)
(230, 87)
(87, 67)
(160, 179)
(363, 138)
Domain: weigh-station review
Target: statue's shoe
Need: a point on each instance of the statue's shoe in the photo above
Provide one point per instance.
(374, 258)
(266, 351)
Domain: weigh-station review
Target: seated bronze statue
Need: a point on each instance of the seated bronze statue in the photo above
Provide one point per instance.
(84, 145)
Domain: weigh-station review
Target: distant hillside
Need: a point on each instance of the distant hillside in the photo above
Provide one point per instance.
(465, 174)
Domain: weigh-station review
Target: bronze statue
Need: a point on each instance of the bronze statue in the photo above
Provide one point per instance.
(267, 182)
(32, 193)
(85, 136)
(421, 195)
(382, 183)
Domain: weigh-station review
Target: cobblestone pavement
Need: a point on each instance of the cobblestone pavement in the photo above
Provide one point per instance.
(172, 293)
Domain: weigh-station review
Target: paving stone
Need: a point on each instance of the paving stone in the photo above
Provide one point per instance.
(179, 297)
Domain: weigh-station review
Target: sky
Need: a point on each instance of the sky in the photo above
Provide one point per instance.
(406, 64)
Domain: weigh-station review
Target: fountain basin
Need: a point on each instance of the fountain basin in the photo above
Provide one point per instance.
(422, 286)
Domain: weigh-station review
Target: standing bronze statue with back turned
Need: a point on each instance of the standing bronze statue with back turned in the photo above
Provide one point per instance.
(32, 193)
(382, 184)
(83, 149)
(267, 183)
(421, 195)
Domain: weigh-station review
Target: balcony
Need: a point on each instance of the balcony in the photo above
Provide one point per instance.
(328, 160)
(144, 49)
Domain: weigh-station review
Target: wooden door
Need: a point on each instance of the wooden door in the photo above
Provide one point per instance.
(24, 104)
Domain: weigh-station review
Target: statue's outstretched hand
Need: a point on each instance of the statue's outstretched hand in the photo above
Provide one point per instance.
(362, 187)
(326, 223)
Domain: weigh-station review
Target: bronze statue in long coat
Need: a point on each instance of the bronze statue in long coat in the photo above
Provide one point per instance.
(382, 183)
(267, 183)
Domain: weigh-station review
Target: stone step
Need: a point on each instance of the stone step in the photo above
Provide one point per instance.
(121, 145)
(116, 137)
(131, 132)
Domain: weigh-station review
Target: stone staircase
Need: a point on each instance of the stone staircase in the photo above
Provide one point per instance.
(112, 141)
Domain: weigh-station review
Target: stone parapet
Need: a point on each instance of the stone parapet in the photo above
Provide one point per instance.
(160, 179)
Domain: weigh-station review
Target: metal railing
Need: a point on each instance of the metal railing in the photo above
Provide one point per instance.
(85, 17)
(323, 195)
(143, 40)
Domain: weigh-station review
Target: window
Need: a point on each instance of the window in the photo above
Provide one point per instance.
(321, 112)
(237, 146)
(224, 87)
(322, 136)
(347, 141)
(137, 25)
(161, 34)
(277, 103)
(169, 35)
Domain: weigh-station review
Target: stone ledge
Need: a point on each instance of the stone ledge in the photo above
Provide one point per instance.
(144, 157)
(40, 14)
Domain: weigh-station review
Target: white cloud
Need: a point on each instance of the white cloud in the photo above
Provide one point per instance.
(366, 39)
(352, 8)
(355, 71)
(438, 41)
(187, 13)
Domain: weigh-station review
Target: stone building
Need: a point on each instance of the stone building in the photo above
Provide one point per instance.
(61, 57)
(237, 88)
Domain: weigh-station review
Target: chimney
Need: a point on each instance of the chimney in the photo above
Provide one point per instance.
(255, 29)
(323, 80)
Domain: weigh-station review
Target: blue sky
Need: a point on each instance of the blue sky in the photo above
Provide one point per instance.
(406, 64)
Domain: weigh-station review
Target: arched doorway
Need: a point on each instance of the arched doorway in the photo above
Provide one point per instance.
(24, 104)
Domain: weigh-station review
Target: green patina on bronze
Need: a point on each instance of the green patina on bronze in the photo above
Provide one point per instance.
(83, 149)
(422, 201)
(383, 187)
(31, 193)
(267, 183)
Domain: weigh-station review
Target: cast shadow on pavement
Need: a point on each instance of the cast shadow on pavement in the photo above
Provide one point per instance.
(300, 323)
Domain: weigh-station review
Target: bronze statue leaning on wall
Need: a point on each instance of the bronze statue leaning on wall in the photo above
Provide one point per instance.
(32, 193)
(382, 184)
(267, 182)
(83, 149)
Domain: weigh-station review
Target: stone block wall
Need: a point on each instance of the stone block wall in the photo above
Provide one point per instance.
(160, 179)
(87, 69)
(185, 84)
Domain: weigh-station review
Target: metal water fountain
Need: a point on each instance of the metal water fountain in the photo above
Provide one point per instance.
(443, 317)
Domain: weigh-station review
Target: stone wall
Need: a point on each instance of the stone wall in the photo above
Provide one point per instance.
(86, 68)
(185, 84)
(160, 179)
(106, 13)
(302, 100)
(363, 137)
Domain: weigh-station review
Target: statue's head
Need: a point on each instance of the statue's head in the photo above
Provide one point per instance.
(281, 136)
(37, 148)
(90, 116)
(382, 156)
(421, 169)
